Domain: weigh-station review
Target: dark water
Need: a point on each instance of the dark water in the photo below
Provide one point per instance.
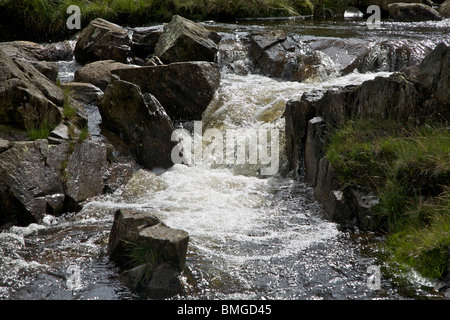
(250, 238)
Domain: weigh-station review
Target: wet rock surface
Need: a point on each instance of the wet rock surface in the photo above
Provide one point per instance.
(103, 40)
(158, 253)
(140, 121)
(184, 40)
(184, 89)
(98, 73)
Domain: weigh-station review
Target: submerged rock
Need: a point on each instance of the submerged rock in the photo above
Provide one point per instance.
(140, 121)
(348, 53)
(184, 89)
(274, 54)
(102, 40)
(184, 40)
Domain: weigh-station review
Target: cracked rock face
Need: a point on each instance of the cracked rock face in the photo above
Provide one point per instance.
(103, 40)
(184, 40)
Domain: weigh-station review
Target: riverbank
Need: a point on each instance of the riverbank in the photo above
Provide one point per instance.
(408, 167)
(45, 20)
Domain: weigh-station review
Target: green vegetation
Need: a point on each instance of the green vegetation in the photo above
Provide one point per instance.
(409, 168)
(41, 132)
(141, 254)
(47, 18)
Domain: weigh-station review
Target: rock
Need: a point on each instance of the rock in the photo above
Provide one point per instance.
(360, 203)
(98, 73)
(233, 55)
(184, 40)
(164, 283)
(144, 41)
(27, 98)
(393, 56)
(4, 145)
(315, 142)
(84, 172)
(85, 93)
(28, 184)
(413, 12)
(169, 243)
(297, 115)
(117, 174)
(140, 121)
(126, 227)
(162, 253)
(444, 9)
(276, 55)
(12, 132)
(434, 76)
(32, 51)
(348, 53)
(160, 282)
(61, 132)
(184, 89)
(395, 97)
(43, 57)
(102, 40)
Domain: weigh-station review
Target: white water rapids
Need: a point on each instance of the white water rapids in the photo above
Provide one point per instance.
(250, 237)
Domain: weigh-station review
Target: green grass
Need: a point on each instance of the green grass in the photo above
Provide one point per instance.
(409, 168)
(138, 254)
(41, 132)
(69, 112)
(47, 18)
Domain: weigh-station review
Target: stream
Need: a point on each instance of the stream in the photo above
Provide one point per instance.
(250, 237)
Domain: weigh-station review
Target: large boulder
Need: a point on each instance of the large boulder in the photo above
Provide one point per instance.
(150, 254)
(98, 73)
(444, 9)
(140, 121)
(184, 40)
(29, 185)
(102, 40)
(413, 12)
(85, 169)
(27, 98)
(126, 227)
(433, 74)
(184, 89)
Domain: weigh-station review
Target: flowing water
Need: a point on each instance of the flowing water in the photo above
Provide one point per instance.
(250, 237)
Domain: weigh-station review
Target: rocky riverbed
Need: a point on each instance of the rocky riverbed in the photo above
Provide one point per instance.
(65, 142)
